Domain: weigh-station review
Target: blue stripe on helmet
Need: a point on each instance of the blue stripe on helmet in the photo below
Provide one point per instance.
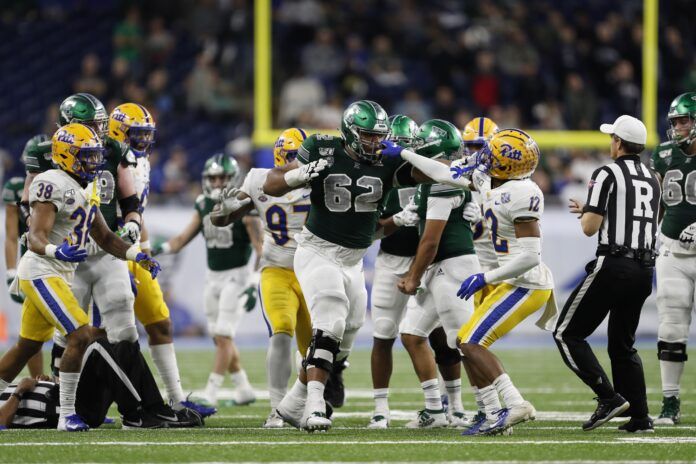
(304, 135)
(481, 126)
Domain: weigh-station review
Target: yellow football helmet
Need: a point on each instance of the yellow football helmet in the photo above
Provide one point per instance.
(78, 150)
(510, 154)
(287, 144)
(133, 125)
(476, 132)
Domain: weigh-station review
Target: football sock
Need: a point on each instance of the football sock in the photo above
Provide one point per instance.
(511, 395)
(490, 400)
(68, 388)
(278, 366)
(479, 400)
(164, 358)
(298, 390)
(240, 379)
(215, 381)
(671, 373)
(315, 396)
(454, 393)
(431, 391)
(381, 396)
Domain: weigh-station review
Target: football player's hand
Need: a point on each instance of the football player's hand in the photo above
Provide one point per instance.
(70, 253)
(11, 274)
(687, 236)
(575, 207)
(134, 283)
(472, 212)
(471, 285)
(302, 175)
(229, 203)
(408, 286)
(463, 167)
(130, 232)
(148, 263)
(407, 217)
(390, 149)
(25, 385)
(250, 294)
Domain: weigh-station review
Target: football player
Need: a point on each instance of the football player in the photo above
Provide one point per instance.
(133, 125)
(283, 303)
(348, 179)
(675, 266)
(229, 250)
(65, 211)
(445, 256)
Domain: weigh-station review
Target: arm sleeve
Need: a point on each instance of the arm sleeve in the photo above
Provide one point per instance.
(439, 208)
(437, 171)
(44, 190)
(601, 185)
(529, 257)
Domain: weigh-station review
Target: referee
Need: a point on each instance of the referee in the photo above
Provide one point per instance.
(622, 205)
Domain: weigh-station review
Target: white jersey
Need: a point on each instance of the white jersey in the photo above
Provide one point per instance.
(502, 206)
(75, 211)
(282, 217)
(141, 176)
(483, 245)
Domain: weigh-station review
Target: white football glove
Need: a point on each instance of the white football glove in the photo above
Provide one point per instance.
(229, 203)
(130, 232)
(304, 174)
(472, 212)
(687, 236)
(407, 217)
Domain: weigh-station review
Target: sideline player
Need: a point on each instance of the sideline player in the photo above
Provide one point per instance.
(283, 303)
(228, 253)
(65, 211)
(676, 263)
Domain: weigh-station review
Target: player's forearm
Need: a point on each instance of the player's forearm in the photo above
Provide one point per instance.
(222, 221)
(8, 410)
(112, 244)
(427, 250)
(386, 226)
(275, 184)
(10, 253)
(27, 183)
(37, 240)
(435, 170)
(527, 259)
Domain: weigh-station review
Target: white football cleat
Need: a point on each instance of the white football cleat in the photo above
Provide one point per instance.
(316, 422)
(379, 421)
(290, 409)
(243, 396)
(273, 421)
(429, 419)
(520, 413)
(457, 420)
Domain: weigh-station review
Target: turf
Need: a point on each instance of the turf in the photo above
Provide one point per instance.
(234, 434)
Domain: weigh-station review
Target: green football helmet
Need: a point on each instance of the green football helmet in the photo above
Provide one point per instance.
(437, 138)
(31, 148)
(402, 130)
(682, 106)
(364, 127)
(220, 171)
(86, 109)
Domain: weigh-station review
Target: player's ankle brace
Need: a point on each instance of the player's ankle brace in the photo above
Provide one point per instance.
(322, 351)
(675, 352)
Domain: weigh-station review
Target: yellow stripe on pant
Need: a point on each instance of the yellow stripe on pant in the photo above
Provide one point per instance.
(149, 305)
(284, 307)
(505, 307)
(49, 305)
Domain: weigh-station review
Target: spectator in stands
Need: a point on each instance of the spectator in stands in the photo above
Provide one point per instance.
(158, 44)
(175, 172)
(580, 104)
(299, 93)
(128, 37)
(120, 74)
(89, 80)
(321, 58)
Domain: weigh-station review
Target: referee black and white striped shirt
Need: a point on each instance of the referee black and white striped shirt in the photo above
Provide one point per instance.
(38, 407)
(627, 194)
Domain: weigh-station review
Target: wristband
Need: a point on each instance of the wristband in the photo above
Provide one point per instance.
(11, 274)
(50, 250)
(166, 248)
(145, 245)
(132, 252)
(292, 178)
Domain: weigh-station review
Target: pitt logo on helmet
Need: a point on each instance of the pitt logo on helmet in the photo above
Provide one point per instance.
(133, 125)
(78, 150)
(510, 154)
(287, 144)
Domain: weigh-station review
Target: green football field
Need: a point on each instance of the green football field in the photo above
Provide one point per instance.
(235, 433)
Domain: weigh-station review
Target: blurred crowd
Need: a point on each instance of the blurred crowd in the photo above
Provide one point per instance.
(535, 64)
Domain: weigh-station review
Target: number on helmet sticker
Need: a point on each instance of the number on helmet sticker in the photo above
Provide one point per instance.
(338, 198)
(107, 187)
(217, 237)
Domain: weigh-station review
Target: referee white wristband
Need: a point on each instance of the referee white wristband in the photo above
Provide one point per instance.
(50, 250)
(132, 252)
(145, 245)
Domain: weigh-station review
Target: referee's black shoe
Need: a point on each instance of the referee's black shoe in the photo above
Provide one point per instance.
(606, 410)
(644, 425)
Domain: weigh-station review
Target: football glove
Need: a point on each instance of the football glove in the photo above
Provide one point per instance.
(302, 175)
(250, 294)
(687, 237)
(471, 285)
(130, 232)
(70, 253)
(407, 217)
(472, 212)
(148, 263)
(229, 203)
(390, 149)
(463, 167)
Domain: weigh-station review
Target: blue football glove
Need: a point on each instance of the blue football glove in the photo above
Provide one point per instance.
(148, 263)
(134, 284)
(70, 253)
(390, 149)
(471, 285)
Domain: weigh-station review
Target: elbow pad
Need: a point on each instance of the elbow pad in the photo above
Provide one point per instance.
(129, 204)
(24, 211)
(529, 257)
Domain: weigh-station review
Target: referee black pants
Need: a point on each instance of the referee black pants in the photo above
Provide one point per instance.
(618, 287)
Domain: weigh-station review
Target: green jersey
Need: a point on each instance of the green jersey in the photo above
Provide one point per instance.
(457, 237)
(678, 172)
(403, 242)
(38, 159)
(229, 246)
(347, 194)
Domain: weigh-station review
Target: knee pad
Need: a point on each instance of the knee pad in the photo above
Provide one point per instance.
(673, 331)
(121, 328)
(385, 328)
(322, 351)
(674, 294)
(329, 312)
(675, 352)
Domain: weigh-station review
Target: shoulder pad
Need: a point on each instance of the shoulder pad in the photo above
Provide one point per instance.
(15, 183)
